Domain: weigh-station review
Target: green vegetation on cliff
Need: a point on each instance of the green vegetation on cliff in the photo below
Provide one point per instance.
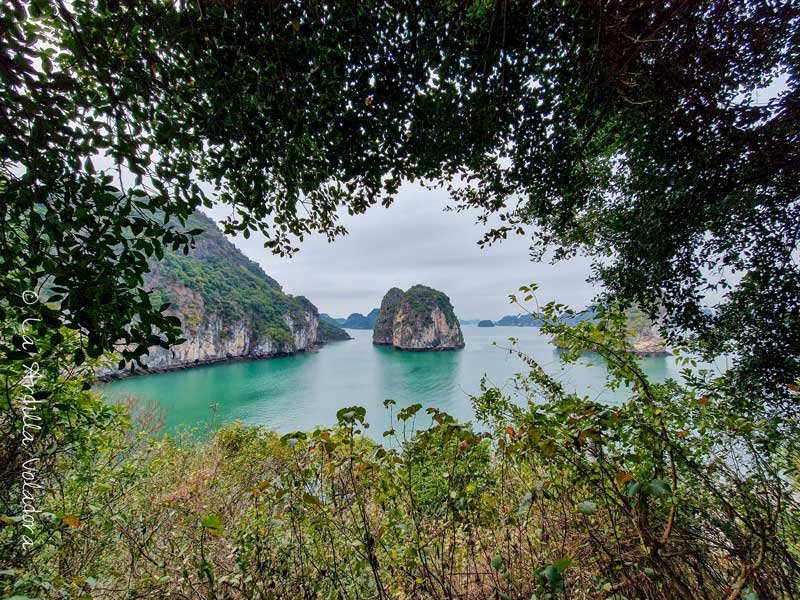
(421, 299)
(354, 320)
(228, 284)
(359, 321)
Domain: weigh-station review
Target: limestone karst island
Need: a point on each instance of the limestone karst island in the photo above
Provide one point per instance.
(419, 319)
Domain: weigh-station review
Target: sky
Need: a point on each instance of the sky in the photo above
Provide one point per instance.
(416, 241)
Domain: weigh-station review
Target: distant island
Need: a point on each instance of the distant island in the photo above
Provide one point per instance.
(328, 332)
(530, 320)
(643, 335)
(354, 321)
(520, 321)
(419, 319)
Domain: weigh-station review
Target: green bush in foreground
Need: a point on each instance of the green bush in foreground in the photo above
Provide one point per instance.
(670, 495)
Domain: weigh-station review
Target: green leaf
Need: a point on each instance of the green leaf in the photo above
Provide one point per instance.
(409, 412)
(633, 487)
(10, 520)
(587, 507)
(553, 577)
(311, 499)
(212, 523)
(498, 562)
(350, 414)
(525, 504)
(562, 564)
(658, 487)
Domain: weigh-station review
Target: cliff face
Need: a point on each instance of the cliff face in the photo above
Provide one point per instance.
(520, 321)
(643, 334)
(421, 319)
(217, 338)
(228, 307)
(649, 345)
(384, 325)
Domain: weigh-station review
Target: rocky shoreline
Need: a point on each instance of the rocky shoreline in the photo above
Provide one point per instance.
(117, 375)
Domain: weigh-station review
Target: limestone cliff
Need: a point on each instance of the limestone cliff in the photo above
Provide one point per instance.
(421, 319)
(228, 307)
(384, 325)
(216, 338)
(644, 335)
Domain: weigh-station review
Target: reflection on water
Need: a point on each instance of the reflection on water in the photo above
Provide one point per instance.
(299, 392)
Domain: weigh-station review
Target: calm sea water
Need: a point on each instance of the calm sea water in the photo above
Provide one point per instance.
(299, 392)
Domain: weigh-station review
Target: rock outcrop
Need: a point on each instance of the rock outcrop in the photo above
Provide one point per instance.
(644, 335)
(326, 318)
(520, 321)
(420, 319)
(228, 307)
(485, 323)
(383, 331)
(217, 339)
(649, 345)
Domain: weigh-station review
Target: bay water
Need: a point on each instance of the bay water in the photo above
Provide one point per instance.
(299, 392)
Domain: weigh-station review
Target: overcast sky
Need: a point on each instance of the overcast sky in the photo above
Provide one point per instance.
(415, 241)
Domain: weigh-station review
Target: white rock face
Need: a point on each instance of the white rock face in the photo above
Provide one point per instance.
(382, 334)
(215, 340)
(410, 332)
(649, 344)
(645, 337)
(228, 306)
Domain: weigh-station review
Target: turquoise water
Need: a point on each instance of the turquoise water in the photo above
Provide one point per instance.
(299, 392)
